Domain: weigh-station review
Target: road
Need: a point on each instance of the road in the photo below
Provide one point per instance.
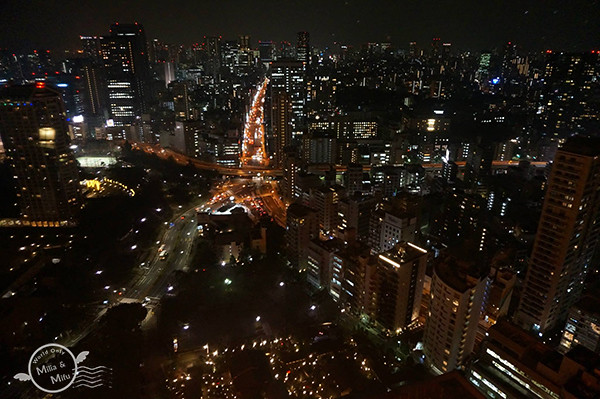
(155, 278)
(166, 153)
(269, 193)
(250, 170)
(253, 140)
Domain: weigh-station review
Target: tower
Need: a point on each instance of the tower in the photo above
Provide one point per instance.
(281, 120)
(566, 237)
(303, 47)
(288, 76)
(126, 64)
(34, 131)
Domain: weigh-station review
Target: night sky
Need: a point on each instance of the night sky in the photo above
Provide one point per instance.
(468, 24)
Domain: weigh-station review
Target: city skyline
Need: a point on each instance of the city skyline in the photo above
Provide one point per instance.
(415, 216)
(468, 25)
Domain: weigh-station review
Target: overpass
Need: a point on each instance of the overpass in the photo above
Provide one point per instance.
(250, 170)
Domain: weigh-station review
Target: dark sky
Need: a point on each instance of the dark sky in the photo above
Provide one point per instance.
(468, 24)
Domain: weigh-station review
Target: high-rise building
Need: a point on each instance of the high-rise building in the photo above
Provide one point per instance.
(34, 131)
(181, 101)
(455, 304)
(389, 225)
(301, 227)
(94, 90)
(303, 47)
(413, 50)
(400, 275)
(566, 238)
(354, 215)
(566, 101)
(289, 76)
(244, 42)
(281, 122)
(319, 258)
(126, 64)
(266, 49)
(354, 177)
(291, 171)
(320, 147)
(325, 202)
(92, 47)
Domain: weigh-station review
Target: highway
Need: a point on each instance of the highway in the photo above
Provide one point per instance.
(253, 140)
(154, 278)
(251, 170)
(166, 153)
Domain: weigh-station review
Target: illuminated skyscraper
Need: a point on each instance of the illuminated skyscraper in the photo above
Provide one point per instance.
(399, 279)
(568, 99)
(281, 120)
(34, 131)
(303, 47)
(181, 101)
(244, 42)
(566, 238)
(126, 64)
(289, 76)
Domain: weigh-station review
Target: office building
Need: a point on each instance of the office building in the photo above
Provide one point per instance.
(289, 76)
(291, 171)
(566, 238)
(301, 227)
(266, 50)
(455, 305)
(181, 101)
(399, 278)
(303, 47)
(244, 42)
(34, 131)
(354, 216)
(320, 147)
(281, 122)
(391, 223)
(94, 91)
(319, 259)
(566, 100)
(126, 65)
(324, 201)
(354, 177)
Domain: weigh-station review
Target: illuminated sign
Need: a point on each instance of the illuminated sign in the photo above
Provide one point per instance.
(78, 118)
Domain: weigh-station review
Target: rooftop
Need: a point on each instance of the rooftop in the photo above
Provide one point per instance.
(581, 145)
(27, 92)
(459, 274)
